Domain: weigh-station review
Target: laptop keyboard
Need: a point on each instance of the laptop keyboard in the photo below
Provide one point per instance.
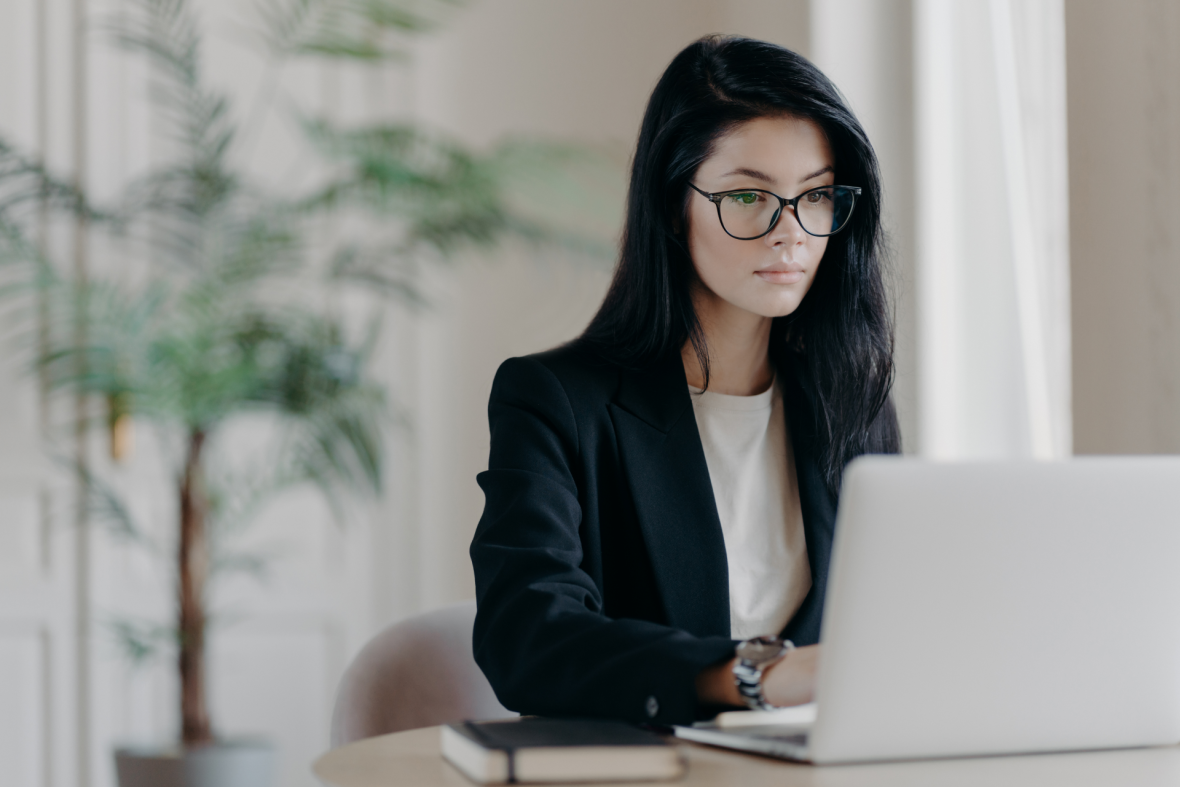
(798, 738)
(775, 740)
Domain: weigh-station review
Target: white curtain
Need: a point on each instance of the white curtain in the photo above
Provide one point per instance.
(965, 101)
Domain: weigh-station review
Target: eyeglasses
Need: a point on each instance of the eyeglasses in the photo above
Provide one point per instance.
(748, 214)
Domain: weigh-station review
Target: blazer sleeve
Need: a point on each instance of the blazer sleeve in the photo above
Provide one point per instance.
(540, 635)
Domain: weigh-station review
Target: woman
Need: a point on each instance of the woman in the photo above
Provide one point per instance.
(664, 487)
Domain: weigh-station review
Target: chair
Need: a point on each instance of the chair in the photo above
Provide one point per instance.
(416, 673)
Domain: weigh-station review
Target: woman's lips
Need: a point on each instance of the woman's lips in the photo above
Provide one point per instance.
(780, 276)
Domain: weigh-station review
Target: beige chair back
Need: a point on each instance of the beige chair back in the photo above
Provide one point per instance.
(416, 673)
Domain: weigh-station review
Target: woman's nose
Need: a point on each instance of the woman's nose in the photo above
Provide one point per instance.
(787, 229)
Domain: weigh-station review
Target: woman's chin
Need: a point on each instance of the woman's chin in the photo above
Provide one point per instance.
(777, 307)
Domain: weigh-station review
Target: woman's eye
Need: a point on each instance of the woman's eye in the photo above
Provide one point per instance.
(815, 197)
(745, 197)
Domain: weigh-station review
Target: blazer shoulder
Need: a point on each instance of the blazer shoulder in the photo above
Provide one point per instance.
(588, 380)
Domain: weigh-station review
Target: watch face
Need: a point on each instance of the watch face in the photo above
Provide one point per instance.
(759, 649)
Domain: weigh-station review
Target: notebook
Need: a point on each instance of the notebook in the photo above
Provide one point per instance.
(534, 749)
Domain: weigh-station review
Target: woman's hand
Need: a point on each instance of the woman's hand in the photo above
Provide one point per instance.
(789, 681)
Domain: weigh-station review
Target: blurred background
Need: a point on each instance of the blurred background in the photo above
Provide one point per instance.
(1031, 159)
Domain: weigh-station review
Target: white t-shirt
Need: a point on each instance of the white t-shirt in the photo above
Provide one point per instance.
(752, 468)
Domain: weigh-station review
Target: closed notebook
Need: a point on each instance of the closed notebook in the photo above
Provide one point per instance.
(558, 750)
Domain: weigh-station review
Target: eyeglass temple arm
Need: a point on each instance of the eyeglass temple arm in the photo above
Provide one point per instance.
(714, 198)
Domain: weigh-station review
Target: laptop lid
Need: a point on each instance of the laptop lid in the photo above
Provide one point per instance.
(988, 608)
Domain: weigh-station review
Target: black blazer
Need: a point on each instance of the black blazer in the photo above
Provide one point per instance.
(600, 567)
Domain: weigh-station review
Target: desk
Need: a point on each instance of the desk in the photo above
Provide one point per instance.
(412, 759)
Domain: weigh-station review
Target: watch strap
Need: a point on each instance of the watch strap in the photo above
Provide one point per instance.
(747, 676)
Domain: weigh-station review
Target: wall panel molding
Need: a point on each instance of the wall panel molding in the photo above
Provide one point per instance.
(25, 737)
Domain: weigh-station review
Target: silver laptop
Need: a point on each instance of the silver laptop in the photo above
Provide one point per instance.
(994, 608)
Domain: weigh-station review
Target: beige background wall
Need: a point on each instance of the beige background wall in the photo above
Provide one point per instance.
(1124, 161)
(575, 69)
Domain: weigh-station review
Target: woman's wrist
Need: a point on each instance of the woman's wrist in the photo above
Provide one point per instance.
(783, 685)
(715, 685)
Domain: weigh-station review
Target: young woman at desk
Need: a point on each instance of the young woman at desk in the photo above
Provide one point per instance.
(661, 492)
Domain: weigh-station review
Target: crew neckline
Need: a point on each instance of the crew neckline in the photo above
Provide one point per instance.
(720, 401)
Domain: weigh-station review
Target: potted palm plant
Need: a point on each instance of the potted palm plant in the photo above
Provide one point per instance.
(203, 318)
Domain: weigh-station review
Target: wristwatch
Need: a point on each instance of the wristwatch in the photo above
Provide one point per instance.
(754, 656)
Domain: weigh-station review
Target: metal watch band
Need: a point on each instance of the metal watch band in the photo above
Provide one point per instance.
(747, 676)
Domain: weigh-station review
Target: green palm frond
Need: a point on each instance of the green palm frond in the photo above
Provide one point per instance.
(448, 197)
(107, 507)
(210, 348)
(254, 564)
(365, 30)
(199, 121)
(29, 193)
(141, 641)
(335, 413)
(390, 270)
(25, 183)
(168, 34)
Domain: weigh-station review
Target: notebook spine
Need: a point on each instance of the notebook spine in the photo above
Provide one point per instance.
(488, 743)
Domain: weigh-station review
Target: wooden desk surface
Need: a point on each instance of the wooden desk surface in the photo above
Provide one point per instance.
(412, 758)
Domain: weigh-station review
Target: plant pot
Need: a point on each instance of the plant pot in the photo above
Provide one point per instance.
(232, 763)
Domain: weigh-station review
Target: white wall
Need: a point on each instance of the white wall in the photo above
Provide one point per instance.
(41, 688)
(1124, 161)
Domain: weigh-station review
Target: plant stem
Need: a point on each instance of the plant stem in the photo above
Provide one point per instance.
(194, 569)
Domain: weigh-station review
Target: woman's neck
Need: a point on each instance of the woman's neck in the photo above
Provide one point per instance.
(738, 342)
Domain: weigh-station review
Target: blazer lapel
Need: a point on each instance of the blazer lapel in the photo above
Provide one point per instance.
(817, 504)
(664, 465)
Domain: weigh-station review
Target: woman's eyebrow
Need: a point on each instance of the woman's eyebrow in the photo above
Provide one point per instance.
(760, 175)
(751, 173)
(817, 173)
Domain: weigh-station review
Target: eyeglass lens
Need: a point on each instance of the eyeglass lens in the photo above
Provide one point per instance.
(750, 214)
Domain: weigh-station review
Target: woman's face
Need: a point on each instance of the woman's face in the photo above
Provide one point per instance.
(769, 276)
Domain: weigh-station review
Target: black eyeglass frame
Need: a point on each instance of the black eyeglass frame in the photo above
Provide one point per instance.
(717, 196)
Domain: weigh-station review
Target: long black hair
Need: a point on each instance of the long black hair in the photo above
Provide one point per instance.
(841, 336)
